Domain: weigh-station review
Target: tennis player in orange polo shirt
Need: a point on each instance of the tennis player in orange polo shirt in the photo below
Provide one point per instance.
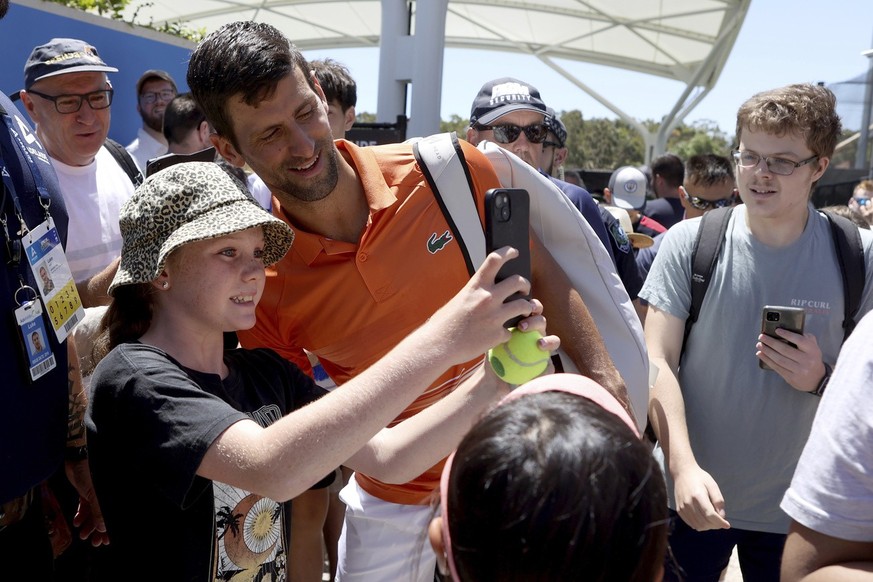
(373, 258)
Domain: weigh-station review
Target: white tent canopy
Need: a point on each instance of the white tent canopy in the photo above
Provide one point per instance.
(683, 40)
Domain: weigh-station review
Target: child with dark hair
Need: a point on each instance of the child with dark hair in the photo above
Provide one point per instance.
(340, 93)
(552, 484)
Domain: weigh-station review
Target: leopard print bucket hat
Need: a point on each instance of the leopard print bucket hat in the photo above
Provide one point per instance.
(186, 203)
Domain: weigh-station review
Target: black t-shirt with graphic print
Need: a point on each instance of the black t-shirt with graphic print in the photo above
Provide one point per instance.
(149, 424)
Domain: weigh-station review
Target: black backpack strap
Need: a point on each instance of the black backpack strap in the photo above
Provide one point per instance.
(124, 160)
(710, 237)
(850, 254)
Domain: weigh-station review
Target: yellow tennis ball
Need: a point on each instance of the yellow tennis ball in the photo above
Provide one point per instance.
(519, 360)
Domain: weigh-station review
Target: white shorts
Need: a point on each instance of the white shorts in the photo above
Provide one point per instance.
(382, 541)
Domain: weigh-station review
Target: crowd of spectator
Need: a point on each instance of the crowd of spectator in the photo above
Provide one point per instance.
(261, 364)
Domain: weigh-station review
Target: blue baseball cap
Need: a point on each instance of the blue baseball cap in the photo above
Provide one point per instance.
(60, 56)
(501, 96)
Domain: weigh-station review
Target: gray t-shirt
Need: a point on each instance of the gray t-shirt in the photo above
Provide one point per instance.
(832, 490)
(746, 425)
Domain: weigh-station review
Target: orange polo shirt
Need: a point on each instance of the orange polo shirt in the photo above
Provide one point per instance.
(351, 303)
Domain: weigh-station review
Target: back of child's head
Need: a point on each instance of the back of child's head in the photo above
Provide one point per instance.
(552, 486)
(336, 81)
(708, 170)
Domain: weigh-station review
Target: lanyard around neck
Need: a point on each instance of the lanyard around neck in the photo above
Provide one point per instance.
(14, 244)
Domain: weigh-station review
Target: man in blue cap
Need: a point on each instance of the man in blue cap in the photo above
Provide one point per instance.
(512, 114)
(67, 95)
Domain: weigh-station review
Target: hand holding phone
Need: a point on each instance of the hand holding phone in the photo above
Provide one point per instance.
(774, 317)
(507, 223)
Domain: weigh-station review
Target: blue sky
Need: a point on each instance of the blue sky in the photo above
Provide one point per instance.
(781, 42)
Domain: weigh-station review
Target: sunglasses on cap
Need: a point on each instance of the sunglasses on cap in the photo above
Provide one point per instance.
(703, 204)
(508, 133)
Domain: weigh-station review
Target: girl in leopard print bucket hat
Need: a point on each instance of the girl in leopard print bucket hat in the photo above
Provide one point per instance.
(194, 449)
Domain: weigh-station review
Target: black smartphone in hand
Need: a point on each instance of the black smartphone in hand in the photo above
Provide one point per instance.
(507, 223)
(774, 317)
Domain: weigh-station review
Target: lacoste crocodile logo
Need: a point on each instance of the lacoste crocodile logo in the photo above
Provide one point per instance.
(435, 245)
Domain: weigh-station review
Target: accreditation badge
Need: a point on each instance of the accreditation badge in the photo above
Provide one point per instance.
(37, 352)
(54, 280)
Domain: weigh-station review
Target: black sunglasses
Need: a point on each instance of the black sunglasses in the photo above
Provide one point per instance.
(535, 132)
(703, 204)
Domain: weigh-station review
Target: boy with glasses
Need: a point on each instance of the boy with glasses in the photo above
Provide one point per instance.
(732, 431)
(154, 91)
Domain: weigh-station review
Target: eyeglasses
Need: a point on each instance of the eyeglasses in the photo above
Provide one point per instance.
(73, 102)
(861, 200)
(703, 204)
(551, 144)
(780, 166)
(535, 133)
(151, 97)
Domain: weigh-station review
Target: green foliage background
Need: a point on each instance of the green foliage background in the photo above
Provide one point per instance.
(114, 9)
(593, 144)
(606, 144)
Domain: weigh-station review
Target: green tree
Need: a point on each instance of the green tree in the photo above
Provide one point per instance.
(457, 124)
(605, 144)
(701, 137)
(114, 9)
(108, 8)
(601, 144)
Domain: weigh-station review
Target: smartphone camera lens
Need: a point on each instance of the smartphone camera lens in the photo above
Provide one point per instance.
(772, 316)
(502, 204)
